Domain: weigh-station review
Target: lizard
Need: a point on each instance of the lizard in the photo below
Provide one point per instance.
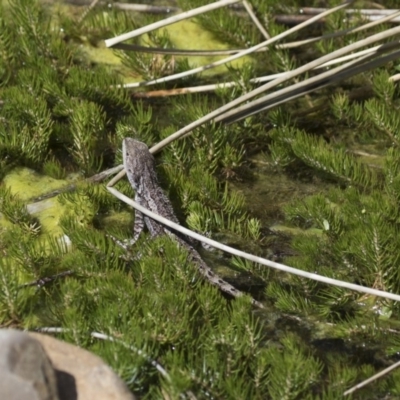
(139, 165)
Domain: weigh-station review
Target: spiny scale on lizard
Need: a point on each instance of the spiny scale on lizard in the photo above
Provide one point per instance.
(140, 169)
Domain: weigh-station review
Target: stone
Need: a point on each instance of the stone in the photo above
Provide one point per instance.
(26, 372)
(82, 375)
(34, 366)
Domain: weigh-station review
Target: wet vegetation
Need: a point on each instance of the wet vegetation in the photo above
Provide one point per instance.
(64, 116)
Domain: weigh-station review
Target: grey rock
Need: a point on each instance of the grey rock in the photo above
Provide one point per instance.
(81, 375)
(34, 366)
(26, 372)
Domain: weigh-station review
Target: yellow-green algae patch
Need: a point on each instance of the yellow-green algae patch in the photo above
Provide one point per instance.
(185, 35)
(28, 184)
(48, 212)
(101, 54)
(190, 35)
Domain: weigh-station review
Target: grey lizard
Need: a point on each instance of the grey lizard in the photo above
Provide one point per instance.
(140, 169)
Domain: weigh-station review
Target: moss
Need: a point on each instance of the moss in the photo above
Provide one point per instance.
(28, 184)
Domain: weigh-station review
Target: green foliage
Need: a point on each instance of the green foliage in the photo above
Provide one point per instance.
(240, 32)
(340, 106)
(335, 22)
(139, 124)
(151, 65)
(208, 209)
(317, 154)
(241, 77)
(12, 303)
(86, 202)
(316, 211)
(99, 86)
(289, 301)
(87, 118)
(292, 371)
(29, 125)
(359, 243)
(52, 96)
(384, 117)
(159, 309)
(103, 22)
(54, 169)
(16, 212)
(347, 232)
(384, 87)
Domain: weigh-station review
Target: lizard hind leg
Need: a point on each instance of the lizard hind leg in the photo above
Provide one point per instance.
(138, 227)
(127, 244)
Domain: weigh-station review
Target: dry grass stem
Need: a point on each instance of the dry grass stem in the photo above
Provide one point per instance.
(372, 378)
(225, 60)
(247, 256)
(169, 21)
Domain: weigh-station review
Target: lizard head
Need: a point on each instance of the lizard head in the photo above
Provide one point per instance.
(138, 161)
